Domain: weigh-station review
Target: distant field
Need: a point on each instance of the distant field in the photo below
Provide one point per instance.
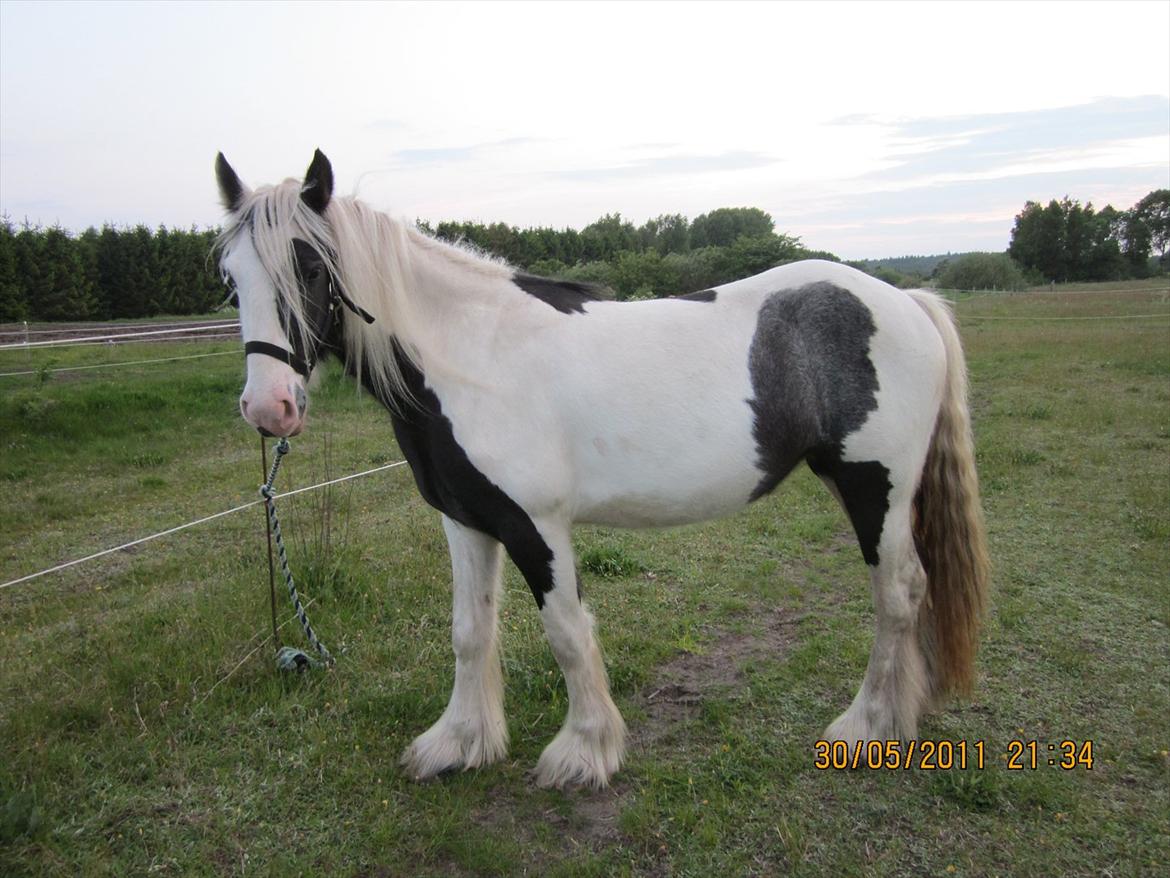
(138, 737)
(1149, 284)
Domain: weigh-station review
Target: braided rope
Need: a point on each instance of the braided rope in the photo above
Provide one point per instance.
(269, 495)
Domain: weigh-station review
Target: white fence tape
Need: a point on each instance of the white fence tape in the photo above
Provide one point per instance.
(1044, 318)
(96, 327)
(125, 363)
(189, 524)
(213, 327)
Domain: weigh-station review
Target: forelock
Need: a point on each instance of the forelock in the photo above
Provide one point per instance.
(273, 217)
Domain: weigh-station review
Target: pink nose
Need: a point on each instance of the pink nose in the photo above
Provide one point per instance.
(276, 415)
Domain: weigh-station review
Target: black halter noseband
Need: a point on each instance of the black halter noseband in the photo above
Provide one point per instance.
(301, 363)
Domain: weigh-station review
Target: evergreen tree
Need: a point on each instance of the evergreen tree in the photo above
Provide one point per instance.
(87, 246)
(13, 304)
(139, 296)
(111, 269)
(62, 291)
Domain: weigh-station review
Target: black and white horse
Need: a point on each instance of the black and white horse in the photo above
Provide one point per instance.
(525, 405)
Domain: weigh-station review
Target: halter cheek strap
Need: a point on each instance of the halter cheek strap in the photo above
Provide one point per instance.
(299, 364)
(278, 353)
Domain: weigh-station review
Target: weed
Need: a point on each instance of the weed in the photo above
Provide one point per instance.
(1024, 457)
(609, 562)
(35, 409)
(147, 460)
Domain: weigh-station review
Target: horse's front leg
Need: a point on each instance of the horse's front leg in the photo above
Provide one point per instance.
(472, 730)
(591, 744)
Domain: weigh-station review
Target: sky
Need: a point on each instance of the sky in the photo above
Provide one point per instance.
(869, 129)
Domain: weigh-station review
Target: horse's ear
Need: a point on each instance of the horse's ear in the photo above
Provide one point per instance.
(232, 191)
(318, 187)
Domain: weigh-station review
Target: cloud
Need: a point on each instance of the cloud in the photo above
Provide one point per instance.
(951, 215)
(983, 144)
(975, 197)
(448, 154)
(652, 145)
(940, 174)
(440, 155)
(736, 160)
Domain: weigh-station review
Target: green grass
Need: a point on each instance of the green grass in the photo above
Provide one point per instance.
(136, 738)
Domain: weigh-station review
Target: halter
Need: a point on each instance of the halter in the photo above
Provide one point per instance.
(304, 365)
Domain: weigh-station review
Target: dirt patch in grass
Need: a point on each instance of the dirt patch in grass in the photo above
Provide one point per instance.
(679, 687)
(584, 820)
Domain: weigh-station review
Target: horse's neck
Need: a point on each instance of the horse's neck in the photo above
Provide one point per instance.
(453, 305)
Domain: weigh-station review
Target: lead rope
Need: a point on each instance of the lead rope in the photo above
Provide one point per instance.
(288, 658)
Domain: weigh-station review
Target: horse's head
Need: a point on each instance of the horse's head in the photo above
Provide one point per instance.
(279, 260)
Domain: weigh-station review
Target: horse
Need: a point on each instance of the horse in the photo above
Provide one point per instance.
(525, 405)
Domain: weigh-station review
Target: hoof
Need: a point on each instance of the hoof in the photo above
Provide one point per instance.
(583, 757)
(453, 746)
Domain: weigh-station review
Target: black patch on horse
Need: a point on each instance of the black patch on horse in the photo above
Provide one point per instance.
(567, 296)
(815, 384)
(450, 482)
(864, 487)
(700, 296)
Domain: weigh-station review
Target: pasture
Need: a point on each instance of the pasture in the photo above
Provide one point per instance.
(144, 730)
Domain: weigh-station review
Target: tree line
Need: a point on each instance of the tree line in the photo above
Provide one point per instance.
(1068, 241)
(48, 274)
(1064, 241)
(665, 256)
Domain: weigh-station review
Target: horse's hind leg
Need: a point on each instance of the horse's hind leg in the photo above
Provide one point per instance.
(472, 730)
(896, 688)
(590, 746)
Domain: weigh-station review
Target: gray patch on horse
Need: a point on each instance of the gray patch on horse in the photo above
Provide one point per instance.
(700, 296)
(815, 384)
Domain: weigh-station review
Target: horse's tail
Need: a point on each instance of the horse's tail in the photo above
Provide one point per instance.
(948, 526)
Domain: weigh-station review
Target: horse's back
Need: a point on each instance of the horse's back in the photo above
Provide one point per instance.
(685, 409)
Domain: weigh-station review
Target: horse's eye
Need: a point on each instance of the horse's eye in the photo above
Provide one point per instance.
(314, 273)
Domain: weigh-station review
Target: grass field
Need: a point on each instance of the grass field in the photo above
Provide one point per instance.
(139, 733)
